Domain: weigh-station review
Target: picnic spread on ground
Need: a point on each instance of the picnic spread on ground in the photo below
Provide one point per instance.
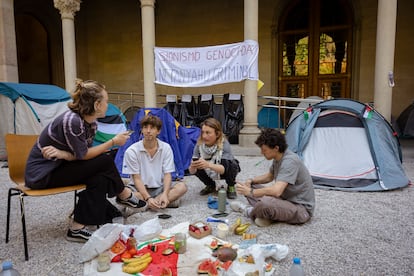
(147, 249)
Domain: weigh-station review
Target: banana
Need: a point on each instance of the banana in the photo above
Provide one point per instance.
(136, 267)
(140, 259)
(235, 225)
(242, 228)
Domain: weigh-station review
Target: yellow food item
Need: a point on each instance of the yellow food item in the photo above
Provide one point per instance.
(136, 267)
(242, 228)
(235, 225)
(141, 259)
(249, 236)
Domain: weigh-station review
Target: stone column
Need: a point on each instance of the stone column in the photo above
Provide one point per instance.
(384, 56)
(8, 51)
(249, 132)
(67, 9)
(148, 44)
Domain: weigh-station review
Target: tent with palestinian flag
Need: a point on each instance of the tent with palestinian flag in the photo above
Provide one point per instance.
(347, 145)
(113, 123)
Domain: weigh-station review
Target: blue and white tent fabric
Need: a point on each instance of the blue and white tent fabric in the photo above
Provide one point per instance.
(27, 108)
(347, 145)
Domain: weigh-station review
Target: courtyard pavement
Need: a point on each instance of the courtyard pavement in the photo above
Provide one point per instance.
(351, 233)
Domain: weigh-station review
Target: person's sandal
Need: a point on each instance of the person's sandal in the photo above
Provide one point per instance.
(231, 192)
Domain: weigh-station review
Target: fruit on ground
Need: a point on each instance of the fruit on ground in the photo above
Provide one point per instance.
(208, 267)
(225, 254)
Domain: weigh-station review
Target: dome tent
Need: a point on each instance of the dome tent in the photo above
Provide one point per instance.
(26, 108)
(348, 146)
(405, 122)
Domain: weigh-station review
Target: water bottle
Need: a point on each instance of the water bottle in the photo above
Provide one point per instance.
(296, 269)
(222, 194)
(8, 270)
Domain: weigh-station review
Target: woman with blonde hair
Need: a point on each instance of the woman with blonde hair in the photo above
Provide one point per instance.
(63, 155)
(213, 159)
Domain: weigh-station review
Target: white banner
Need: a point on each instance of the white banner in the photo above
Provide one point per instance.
(205, 66)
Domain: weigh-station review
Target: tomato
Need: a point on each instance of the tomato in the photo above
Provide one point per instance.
(132, 251)
(118, 247)
(116, 259)
(126, 255)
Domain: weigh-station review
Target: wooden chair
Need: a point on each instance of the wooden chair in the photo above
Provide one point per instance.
(18, 148)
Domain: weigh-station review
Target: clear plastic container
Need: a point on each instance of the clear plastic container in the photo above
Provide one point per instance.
(8, 270)
(296, 269)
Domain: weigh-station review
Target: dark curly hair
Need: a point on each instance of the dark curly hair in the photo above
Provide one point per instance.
(272, 137)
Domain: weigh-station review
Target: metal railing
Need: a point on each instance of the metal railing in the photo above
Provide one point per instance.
(285, 105)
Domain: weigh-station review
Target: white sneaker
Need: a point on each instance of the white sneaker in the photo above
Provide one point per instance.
(262, 222)
(240, 207)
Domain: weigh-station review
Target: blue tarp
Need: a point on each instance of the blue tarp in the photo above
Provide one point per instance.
(181, 139)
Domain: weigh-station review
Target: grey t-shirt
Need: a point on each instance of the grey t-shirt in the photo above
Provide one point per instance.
(292, 170)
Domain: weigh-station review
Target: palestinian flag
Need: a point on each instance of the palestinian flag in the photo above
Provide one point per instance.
(113, 123)
(307, 113)
(368, 112)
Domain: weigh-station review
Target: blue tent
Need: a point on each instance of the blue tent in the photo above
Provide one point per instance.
(27, 108)
(268, 117)
(347, 145)
(181, 139)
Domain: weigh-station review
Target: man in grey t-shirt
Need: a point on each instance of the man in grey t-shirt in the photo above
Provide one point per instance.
(289, 198)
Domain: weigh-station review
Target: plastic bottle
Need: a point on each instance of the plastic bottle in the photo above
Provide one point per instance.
(8, 270)
(296, 269)
(222, 194)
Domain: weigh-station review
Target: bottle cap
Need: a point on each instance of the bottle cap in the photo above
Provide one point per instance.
(296, 260)
(7, 265)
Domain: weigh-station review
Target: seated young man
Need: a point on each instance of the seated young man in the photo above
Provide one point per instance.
(290, 198)
(150, 163)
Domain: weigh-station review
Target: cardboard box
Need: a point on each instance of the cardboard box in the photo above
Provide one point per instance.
(199, 229)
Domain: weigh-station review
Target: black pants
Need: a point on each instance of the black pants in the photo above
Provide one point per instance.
(102, 180)
(231, 169)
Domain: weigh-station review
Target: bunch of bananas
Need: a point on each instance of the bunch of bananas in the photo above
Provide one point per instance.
(238, 227)
(136, 265)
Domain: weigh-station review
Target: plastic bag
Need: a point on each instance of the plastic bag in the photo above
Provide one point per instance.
(259, 252)
(101, 240)
(148, 230)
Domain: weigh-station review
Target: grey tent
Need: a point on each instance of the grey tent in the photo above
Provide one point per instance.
(405, 122)
(347, 145)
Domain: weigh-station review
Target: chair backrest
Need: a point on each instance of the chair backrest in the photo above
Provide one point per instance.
(18, 148)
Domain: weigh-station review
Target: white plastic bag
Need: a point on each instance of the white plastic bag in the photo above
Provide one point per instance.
(259, 252)
(101, 240)
(148, 230)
